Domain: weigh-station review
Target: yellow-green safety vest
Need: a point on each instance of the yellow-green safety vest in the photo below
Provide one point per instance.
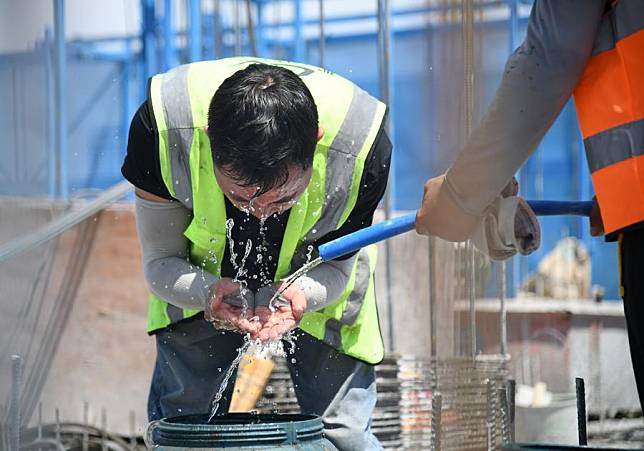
(350, 118)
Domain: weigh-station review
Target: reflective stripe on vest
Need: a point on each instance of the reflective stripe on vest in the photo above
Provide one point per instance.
(609, 99)
(351, 119)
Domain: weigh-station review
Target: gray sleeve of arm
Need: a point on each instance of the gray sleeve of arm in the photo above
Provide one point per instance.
(164, 248)
(538, 79)
(324, 284)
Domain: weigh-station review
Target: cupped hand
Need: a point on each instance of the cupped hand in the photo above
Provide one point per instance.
(283, 315)
(225, 310)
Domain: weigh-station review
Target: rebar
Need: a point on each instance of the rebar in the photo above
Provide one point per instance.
(581, 411)
(491, 413)
(103, 429)
(505, 418)
(16, 386)
(322, 38)
(57, 416)
(437, 403)
(511, 388)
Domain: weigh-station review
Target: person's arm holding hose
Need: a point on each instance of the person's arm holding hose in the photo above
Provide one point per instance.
(537, 82)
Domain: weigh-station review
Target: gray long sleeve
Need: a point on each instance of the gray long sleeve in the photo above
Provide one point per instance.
(164, 248)
(538, 80)
(324, 284)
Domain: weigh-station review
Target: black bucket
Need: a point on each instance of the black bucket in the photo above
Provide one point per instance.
(246, 431)
(553, 447)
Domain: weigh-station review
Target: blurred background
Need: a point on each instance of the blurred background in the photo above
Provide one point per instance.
(73, 300)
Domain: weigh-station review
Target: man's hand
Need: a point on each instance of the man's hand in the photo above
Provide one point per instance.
(596, 223)
(440, 216)
(224, 311)
(283, 315)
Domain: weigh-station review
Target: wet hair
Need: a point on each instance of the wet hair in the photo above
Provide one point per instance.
(262, 121)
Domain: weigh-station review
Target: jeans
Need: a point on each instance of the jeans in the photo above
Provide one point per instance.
(193, 356)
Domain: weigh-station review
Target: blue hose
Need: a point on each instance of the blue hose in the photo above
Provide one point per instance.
(392, 227)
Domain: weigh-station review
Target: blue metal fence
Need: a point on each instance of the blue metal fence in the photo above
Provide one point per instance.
(76, 98)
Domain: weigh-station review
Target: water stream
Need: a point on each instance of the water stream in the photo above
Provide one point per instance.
(259, 349)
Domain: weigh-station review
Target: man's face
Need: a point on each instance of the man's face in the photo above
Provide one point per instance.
(276, 200)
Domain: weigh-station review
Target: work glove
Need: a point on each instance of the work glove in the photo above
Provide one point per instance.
(509, 226)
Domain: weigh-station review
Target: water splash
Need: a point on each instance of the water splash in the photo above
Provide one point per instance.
(290, 280)
(231, 369)
(240, 269)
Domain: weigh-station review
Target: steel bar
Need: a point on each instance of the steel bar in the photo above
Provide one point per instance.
(132, 430)
(503, 314)
(437, 401)
(103, 429)
(322, 38)
(194, 31)
(511, 393)
(467, 23)
(169, 52)
(217, 29)
(581, 411)
(384, 81)
(57, 419)
(60, 83)
(16, 398)
(51, 116)
(251, 28)
(237, 27)
(148, 15)
(505, 421)
(433, 314)
(491, 413)
(299, 43)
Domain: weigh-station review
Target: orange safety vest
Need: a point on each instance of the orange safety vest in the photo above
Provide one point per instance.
(609, 99)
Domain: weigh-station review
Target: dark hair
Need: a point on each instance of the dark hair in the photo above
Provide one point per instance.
(262, 121)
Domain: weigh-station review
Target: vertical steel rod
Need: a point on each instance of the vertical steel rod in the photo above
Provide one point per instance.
(437, 407)
(194, 31)
(148, 35)
(490, 386)
(384, 78)
(216, 29)
(322, 38)
(51, 116)
(581, 411)
(169, 54)
(60, 82)
(299, 38)
(467, 19)
(57, 419)
(103, 429)
(237, 24)
(86, 423)
(505, 417)
(503, 315)
(511, 392)
(433, 345)
(251, 28)
(132, 430)
(39, 421)
(16, 392)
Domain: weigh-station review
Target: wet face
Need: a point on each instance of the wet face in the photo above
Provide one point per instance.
(274, 201)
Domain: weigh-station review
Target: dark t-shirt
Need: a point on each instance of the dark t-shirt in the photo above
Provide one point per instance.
(142, 168)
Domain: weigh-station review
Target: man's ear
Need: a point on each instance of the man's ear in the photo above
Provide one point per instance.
(320, 133)
(205, 128)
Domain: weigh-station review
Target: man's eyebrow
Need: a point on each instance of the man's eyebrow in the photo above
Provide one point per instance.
(238, 198)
